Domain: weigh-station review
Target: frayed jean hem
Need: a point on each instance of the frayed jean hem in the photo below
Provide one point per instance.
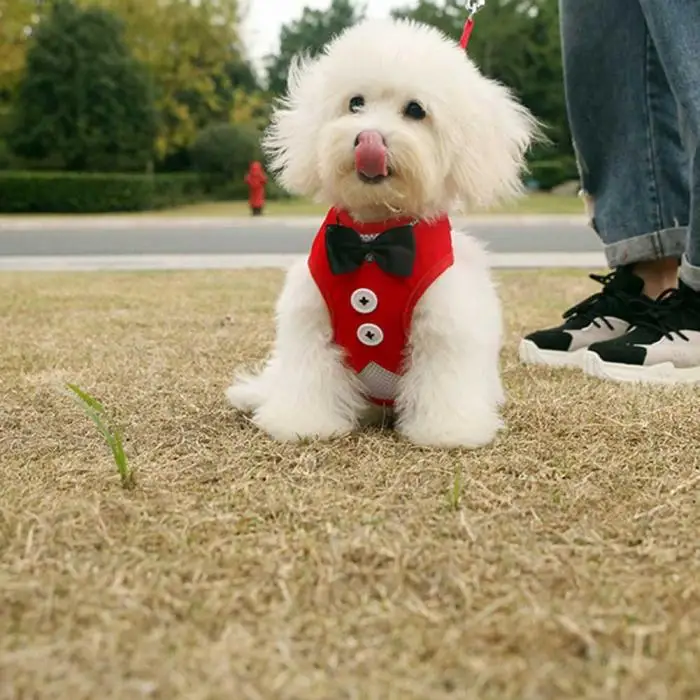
(667, 243)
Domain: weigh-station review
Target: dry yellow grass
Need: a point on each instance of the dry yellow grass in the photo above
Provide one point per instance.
(561, 563)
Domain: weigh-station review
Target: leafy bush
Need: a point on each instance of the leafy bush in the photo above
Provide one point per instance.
(550, 172)
(84, 103)
(221, 154)
(237, 190)
(92, 193)
(175, 190)
(5, 155)
(5, 125)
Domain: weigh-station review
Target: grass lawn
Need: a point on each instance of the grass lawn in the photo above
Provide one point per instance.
(562, 562)
(537, 204)
(530, 204)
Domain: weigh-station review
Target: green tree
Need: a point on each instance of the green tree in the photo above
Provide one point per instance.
(16, 19)
(84, 103)
(192, 51)
(240, 74)
(309, 34)
(517, 42)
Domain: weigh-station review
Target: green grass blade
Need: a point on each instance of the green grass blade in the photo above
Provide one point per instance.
(95, 411)
(88, 400)
(96, 419)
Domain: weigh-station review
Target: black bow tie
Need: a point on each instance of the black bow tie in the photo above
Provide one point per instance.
(394, 250)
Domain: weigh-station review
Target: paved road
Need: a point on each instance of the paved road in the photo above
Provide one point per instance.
(162, 237)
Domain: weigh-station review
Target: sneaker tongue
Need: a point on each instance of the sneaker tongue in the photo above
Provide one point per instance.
(626, 281)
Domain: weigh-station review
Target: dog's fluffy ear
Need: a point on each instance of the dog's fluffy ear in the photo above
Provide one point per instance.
(496, 132)
(291, 139)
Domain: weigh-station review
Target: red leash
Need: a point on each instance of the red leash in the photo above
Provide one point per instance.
(473, 6)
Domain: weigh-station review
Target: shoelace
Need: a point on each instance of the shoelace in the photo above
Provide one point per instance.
(659, 314)
(587, 308)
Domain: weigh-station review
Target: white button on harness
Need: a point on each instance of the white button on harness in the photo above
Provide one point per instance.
(370, 334)
(363, 300)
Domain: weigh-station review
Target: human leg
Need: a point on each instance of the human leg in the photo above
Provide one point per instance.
(624, 123)
(665, 348)
(625, 126)
(674, 26)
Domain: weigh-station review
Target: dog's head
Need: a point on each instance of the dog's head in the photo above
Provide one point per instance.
(393, 118)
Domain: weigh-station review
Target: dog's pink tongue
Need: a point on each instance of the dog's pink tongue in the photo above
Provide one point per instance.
(370, 154)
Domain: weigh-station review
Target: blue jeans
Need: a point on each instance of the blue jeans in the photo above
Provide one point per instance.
(632, 80)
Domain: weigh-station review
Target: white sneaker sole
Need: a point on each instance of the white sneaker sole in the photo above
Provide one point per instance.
(663, 374)
(530, 354)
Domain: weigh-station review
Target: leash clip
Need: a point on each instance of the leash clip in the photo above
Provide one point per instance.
(473, 6)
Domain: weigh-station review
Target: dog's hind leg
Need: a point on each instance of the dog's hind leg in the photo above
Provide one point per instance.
(305, 390)
(249, 390)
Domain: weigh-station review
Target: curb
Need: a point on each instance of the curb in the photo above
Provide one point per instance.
(146, 222)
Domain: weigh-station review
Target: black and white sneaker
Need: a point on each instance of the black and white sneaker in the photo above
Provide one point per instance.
(662, 348)
(602, 316)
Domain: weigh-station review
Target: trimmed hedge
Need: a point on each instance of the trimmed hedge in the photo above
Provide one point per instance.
(93, 193)
(237, 191)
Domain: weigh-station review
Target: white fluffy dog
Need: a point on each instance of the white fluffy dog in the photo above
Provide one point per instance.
(393, 127)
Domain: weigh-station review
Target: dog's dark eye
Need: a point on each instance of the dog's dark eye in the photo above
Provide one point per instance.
(356, 103)
(414, 110)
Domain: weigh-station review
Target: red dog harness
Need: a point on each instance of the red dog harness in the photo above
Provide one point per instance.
(370, 309)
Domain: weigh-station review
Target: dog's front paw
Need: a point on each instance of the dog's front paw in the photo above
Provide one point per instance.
(477, 430)
(296, 423)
